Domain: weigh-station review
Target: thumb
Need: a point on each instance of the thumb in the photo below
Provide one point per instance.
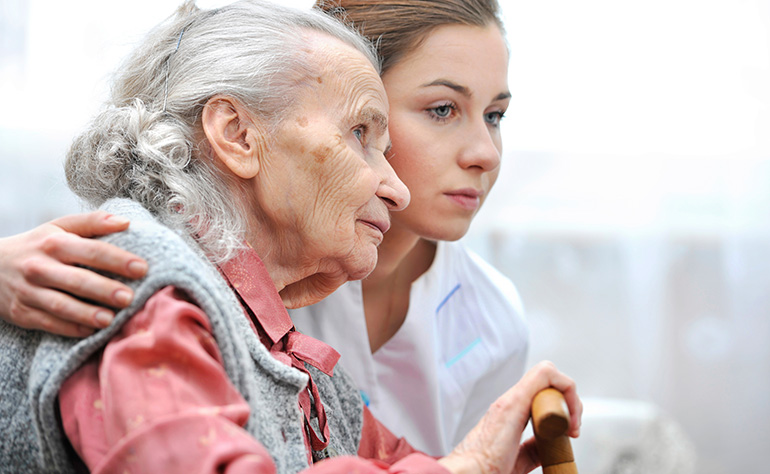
(527, 460)
(91, 224)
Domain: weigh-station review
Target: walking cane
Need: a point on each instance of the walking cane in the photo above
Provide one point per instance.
(550, 422)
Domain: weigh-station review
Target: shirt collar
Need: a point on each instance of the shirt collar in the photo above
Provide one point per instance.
(248, 276)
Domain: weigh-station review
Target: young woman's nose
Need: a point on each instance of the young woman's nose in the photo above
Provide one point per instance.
(482, 149)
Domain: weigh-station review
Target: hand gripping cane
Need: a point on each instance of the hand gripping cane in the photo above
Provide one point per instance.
(550, 422)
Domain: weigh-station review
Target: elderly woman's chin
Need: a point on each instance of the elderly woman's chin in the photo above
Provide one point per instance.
(359, 259)
(332, 273)
(365, 264)
(360, 262)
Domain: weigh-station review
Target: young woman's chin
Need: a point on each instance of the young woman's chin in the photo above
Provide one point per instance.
(449, 229)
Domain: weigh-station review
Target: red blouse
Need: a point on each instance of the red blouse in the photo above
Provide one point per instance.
(157, 397)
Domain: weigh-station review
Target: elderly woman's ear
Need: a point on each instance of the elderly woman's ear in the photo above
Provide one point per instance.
(234, 137)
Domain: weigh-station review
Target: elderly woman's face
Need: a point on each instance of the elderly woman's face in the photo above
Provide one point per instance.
(326, 184)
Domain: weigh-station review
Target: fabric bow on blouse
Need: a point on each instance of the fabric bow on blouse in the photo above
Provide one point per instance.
(271, 321)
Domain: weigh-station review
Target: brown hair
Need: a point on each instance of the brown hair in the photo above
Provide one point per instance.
(397, 27)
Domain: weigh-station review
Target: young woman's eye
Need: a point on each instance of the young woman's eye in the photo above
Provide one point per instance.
(442, 112)
(494, 118)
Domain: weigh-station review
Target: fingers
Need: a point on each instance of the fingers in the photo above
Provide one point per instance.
(575, 413)
(546, 373)
(69, 248)
(32, 318)
(528, 459)
(45, 275)
(72, 249)
(42, 284)
(92, 224)
(495, 441)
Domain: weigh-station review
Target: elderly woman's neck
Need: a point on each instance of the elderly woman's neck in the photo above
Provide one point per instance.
(299, 283)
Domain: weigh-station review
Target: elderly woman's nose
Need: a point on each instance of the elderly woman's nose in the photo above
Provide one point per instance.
(392, 190)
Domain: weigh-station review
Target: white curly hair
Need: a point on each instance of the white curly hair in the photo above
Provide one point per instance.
(147, 144)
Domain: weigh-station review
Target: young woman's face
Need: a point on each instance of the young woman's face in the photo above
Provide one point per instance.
(446, 101)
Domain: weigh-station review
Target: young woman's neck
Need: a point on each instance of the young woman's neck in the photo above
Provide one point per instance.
(402, 258)
(401, 253)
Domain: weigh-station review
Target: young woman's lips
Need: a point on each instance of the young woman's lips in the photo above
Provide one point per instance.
(469, 198)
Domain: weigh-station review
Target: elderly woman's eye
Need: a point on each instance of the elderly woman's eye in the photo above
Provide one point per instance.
(359, 133)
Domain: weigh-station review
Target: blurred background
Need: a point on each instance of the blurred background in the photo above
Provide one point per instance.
(631, 211)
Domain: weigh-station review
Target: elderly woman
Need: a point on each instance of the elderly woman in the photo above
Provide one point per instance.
(246, 145)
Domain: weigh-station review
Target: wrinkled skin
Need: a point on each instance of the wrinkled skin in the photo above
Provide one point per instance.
(323, 192)
(324, 189)
(494, 444)
(460, 151)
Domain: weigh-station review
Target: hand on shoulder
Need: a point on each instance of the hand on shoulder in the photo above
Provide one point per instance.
(42, 285)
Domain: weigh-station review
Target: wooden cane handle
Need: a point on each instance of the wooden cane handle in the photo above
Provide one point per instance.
(550, 422)
(550, 417)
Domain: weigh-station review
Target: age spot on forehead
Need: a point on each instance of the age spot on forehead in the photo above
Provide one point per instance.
(302, 121)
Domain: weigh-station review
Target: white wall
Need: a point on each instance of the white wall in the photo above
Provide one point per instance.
(632, 209)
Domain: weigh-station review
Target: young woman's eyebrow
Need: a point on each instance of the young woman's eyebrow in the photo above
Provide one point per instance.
(502, 96)
(452, 85)
(462, 89)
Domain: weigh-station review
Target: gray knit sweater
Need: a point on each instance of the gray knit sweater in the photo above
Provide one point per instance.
(34, 365)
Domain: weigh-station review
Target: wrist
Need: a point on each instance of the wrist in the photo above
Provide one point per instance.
(460, 464)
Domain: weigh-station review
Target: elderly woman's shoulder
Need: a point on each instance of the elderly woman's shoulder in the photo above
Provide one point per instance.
(162, 245)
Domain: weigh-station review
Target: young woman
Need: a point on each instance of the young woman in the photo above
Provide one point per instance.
(434, 334)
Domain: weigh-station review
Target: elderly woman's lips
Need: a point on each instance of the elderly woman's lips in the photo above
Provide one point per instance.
(469, 199)
(381, 225)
